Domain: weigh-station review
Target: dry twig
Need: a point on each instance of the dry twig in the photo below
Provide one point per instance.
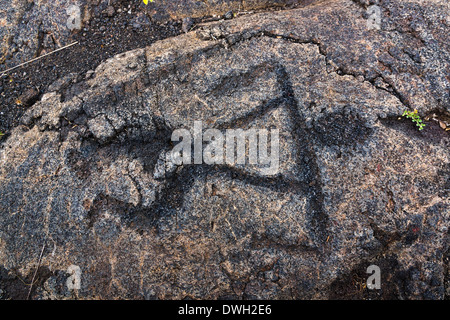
(37, 58)
(35, 272)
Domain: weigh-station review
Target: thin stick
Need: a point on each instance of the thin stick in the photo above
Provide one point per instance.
(35, 272)
(37, 58)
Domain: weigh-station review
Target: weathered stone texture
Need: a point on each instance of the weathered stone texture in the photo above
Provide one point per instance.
(356, 185)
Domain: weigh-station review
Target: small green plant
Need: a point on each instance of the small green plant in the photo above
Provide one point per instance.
(414, 116)
(1, 134)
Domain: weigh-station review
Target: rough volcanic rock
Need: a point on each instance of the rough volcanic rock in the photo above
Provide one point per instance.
(85, 184)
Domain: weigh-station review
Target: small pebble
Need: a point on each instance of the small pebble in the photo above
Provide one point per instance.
(132, 65)
(29, 97)
(89, 74)
(110, 11)
(187, 24)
